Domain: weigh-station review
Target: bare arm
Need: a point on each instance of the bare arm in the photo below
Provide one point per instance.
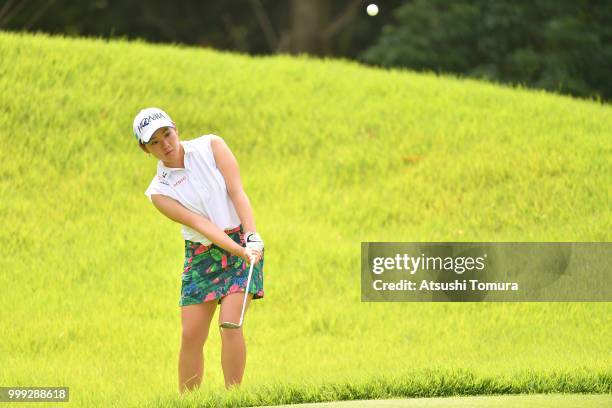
(228, 165)
(177, 212)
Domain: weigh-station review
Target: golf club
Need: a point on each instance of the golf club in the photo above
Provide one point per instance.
(230, 325)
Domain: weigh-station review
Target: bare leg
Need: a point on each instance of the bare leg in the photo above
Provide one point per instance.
(233, 348)
(196, 322)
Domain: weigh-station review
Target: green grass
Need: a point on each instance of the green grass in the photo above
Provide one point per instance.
(332, 154)
(506, 401)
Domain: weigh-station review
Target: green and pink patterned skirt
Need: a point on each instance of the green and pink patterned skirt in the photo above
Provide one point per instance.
(210, 272)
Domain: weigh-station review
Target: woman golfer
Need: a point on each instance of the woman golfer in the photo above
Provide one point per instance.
(198, 185)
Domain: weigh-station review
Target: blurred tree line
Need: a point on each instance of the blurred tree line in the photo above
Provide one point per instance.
(558, 45)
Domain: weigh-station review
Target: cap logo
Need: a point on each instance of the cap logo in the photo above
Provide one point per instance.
(147, 120)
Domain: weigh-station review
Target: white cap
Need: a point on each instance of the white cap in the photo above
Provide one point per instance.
(148, 121)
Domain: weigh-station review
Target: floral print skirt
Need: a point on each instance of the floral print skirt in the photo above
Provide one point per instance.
(210, 272)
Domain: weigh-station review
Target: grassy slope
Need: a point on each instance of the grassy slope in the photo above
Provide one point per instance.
(332, 154)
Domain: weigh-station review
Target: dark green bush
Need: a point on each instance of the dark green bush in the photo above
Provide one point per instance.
(563, 46)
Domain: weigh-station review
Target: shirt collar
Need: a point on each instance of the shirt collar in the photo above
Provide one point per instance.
(164, 172)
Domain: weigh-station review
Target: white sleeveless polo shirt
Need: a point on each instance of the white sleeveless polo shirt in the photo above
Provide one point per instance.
(199, 186)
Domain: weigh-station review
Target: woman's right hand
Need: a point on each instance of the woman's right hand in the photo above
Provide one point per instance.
(248, 253)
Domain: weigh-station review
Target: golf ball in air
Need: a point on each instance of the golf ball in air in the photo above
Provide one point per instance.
(372, 9)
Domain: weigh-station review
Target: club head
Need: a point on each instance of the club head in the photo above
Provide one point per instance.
(229, 325)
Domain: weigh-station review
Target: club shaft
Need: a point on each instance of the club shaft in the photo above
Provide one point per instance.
(246, 293)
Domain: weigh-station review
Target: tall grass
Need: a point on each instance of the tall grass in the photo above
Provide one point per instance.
(332, 154)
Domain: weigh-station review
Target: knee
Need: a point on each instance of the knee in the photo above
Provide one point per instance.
(194, 336)
(230, 334)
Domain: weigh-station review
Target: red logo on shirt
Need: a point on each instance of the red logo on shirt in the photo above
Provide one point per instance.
(180, 181)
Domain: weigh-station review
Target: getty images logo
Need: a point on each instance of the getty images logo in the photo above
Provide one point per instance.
(145, 121)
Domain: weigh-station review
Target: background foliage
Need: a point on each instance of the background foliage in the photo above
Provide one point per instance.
(560, 45)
